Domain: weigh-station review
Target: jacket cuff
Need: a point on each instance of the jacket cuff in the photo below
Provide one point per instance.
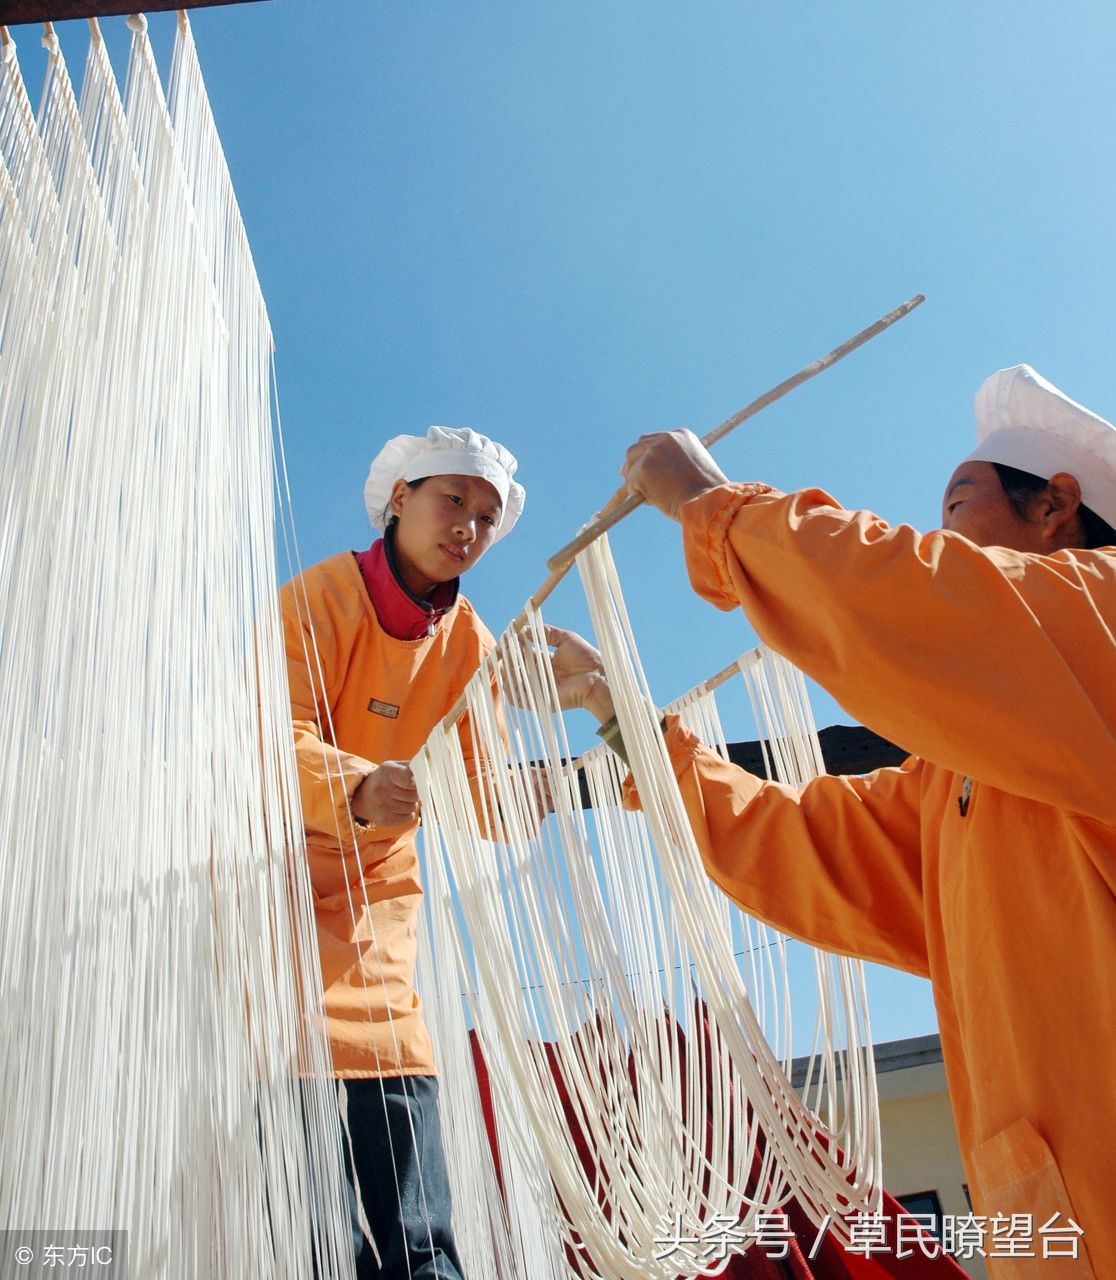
(327, 781)
(611, 735)
(682, 746)
(613, 738)
(706, 521)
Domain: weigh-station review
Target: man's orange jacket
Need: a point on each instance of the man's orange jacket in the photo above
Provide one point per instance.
(987, 862)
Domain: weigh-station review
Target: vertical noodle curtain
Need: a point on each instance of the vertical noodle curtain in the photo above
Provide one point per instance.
(159, 960)
(602, 975)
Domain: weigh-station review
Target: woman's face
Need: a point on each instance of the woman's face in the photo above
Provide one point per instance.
(976, 506)
(445, 526)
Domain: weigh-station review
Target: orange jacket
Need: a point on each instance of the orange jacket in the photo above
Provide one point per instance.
(365, 698)
(996, 667)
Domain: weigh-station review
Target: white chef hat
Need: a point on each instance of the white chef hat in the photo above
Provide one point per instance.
(1023, 421)
(444, 451)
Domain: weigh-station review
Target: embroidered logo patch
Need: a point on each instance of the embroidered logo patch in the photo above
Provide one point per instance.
(383, 708)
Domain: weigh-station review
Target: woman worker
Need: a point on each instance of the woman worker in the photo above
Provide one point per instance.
(987, 861)
(379, 646)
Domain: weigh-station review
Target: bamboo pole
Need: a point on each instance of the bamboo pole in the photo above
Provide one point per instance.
(623, 501)
(748, 659)
(535, 602)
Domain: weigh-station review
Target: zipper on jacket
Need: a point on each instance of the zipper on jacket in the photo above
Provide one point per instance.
(965, 796)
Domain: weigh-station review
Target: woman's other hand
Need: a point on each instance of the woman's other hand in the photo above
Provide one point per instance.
(579, 673)
(388, 796)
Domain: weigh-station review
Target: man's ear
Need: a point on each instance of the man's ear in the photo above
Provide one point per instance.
(1058, 506)
(399, 488)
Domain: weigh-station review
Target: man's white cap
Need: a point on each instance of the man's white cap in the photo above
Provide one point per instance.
(444, 451)
(1023, 421)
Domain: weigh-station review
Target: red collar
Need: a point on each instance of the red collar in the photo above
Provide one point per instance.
(401, 614)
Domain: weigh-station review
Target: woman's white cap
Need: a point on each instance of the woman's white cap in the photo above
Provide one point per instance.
(1023, 421)
(444, 451)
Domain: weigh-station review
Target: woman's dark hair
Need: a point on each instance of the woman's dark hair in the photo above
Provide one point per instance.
(389, 519)
(1021, 486)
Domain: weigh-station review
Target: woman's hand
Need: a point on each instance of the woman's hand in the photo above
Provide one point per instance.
(668, 468)
(388, 796)
(579, 673)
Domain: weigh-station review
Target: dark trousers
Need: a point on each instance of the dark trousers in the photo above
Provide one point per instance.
(401, 1169)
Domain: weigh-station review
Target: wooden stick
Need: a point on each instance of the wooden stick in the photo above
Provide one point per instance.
(727, 673)
(458, 709)
(623, 501)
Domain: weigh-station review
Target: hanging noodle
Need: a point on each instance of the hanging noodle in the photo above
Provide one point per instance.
(600, 970)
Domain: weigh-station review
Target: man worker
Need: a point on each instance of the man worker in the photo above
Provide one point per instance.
(987, 861)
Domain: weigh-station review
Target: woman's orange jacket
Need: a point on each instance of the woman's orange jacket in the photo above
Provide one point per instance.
(360, 697)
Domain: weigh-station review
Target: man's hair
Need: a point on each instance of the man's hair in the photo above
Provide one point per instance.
(1021, 486)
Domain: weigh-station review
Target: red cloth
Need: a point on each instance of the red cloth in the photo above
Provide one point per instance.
(830, 1261)
(401, 614)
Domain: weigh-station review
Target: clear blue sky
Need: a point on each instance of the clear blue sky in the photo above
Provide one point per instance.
(568, 224)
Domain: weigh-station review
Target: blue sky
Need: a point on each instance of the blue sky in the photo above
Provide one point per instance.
(568, 224)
